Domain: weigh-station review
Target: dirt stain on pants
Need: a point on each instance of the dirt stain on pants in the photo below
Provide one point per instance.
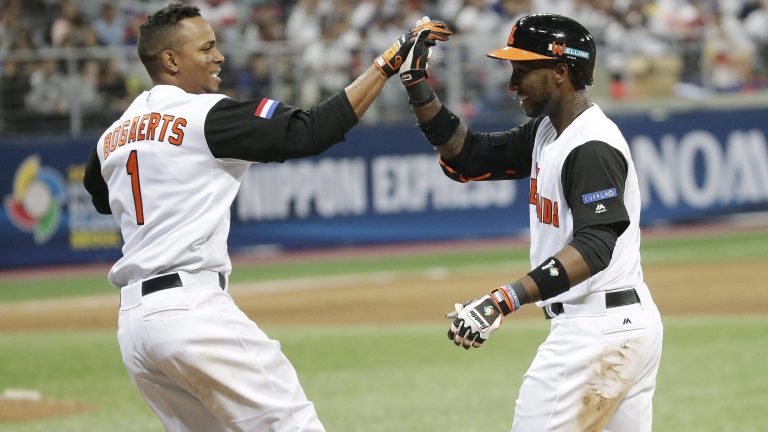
(612, 378)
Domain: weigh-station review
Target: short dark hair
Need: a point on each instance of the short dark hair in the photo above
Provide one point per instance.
(155, 33)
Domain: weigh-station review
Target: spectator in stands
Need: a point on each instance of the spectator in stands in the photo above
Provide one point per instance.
(727, 52)
(327, 58)
(222, 15)
(109, 26)
(756, 27)
(254, 79)
(14, 86)
(47, 98)
(66, 23)
(303, 26)
(10, 23)
(112, 85)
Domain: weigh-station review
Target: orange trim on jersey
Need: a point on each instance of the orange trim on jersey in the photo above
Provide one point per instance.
(480, 178)
(450, 170)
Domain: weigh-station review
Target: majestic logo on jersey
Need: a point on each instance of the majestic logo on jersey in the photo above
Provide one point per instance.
(152, 126)
(600, 209)
(547, 211)
(599, 195)
(35, 204)
(266, 108)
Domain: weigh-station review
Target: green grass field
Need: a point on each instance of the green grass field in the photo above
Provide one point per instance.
(408, 377)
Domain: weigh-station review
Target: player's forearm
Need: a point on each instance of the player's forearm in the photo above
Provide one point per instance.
(572, 262)
(452, 147)
(364, 90)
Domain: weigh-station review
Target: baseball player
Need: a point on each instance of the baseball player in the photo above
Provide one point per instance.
(168, 170)
(597, 368)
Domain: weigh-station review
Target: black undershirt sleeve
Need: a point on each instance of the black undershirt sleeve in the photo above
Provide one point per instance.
(494, 156)
(593, 176)
(234, 130)
(95, 185)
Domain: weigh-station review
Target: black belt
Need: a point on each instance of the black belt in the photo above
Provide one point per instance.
(170, 281)
(612, 300)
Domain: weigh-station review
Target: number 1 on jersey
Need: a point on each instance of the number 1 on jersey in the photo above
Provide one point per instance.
(133, 170)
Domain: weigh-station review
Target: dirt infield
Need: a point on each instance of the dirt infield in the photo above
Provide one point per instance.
(679, 289)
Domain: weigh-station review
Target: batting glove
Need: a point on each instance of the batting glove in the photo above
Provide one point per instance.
(474, 322)
(414, 69)
(390, 61)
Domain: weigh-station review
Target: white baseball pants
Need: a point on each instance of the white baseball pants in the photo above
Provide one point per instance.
(203, 365)
(596, 371)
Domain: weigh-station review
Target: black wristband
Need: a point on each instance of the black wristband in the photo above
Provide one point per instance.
(440, 128)
(420, 93)
(551, 278)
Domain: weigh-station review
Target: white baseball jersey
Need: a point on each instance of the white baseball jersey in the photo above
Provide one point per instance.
(552, 217)
(170, 196)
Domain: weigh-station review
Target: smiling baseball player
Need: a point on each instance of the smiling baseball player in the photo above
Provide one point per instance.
(597, 368)
(168, 170)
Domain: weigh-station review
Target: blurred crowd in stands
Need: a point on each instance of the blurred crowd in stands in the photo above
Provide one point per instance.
(647, 48)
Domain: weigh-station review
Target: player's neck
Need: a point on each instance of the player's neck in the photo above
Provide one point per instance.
(570, 108)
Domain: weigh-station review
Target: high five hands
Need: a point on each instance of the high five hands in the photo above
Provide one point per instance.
(411, 51)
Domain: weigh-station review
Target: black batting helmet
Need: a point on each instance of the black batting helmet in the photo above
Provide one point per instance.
(549, 36)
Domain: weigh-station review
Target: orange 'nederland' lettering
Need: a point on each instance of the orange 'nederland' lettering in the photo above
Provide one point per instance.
(547, 212)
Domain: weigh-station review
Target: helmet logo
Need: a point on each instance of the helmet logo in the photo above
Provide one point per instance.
(511, 39)
(557, 49)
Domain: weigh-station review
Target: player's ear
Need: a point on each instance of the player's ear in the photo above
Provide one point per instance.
(168, 57)
(561, 73)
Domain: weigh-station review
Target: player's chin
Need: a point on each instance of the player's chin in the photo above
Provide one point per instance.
(212, 85)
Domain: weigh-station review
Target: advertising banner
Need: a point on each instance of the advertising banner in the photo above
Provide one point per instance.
(383, 185)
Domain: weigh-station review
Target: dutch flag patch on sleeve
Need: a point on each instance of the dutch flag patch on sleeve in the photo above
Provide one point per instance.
(266, 108)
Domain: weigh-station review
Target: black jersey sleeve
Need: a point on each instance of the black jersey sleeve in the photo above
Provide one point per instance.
(593, 177)
(235, 129)
(494, 156)
(95, 185)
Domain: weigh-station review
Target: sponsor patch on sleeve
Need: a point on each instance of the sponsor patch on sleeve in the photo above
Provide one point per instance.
(599, 195)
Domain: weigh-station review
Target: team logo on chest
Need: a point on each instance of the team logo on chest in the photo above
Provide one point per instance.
(547, 211)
